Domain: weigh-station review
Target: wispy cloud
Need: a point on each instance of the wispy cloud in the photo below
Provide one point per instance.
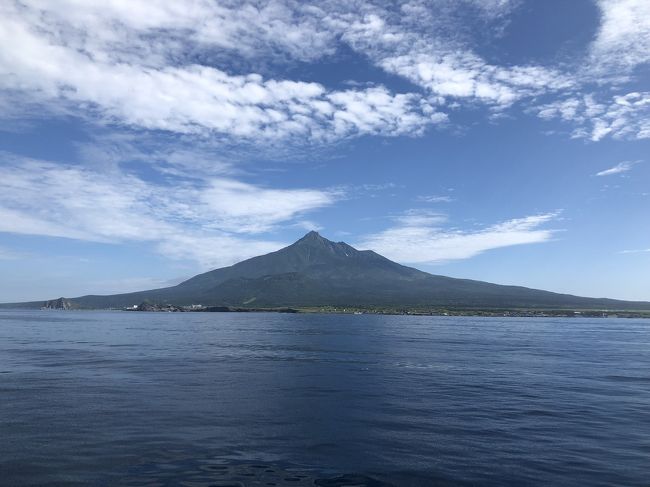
(244, 208)
(621, 117)
(152, 92)
(428, 242)
(621, 45)
(136, 64)
(435, 199)
(418, 217)
(207, 222)
(7, 254)
(416, 46)
(636, 251)
(619, 168)
(128, 284)
(176, 157)
(623, 39)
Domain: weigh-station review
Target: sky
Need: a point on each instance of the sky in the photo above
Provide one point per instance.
(145, 141)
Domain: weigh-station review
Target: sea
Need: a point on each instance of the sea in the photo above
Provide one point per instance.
(243, 399)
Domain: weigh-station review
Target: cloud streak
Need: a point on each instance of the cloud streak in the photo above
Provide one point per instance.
(619, 168)
(416, 241)
(211, 223)
(636, 251)
(435, 199)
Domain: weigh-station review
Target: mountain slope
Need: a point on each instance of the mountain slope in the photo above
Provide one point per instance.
(315, 271)
(312, 254)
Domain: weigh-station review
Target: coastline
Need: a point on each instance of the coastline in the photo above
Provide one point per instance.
(352, 310)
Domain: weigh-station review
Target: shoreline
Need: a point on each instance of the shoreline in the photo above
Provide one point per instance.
(397, 311)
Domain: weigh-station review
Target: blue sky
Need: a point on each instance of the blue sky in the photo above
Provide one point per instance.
(143, 142)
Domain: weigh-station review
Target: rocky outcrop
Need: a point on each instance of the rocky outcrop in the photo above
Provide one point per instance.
(148, 306)
(60, 303)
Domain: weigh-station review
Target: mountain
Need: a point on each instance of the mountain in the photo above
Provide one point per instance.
(315, 271)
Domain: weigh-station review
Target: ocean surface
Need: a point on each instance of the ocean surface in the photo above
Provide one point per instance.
(238, 399)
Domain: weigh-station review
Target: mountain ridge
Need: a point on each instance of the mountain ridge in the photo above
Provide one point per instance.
(316, 272)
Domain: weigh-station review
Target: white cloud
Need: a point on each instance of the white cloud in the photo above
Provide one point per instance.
(134, 64)
(203, 222)
(196, 68)
(152, 92)
(619, 168)
(621, 44)
(418, 217)
(637, 251)
(243, 208)
(421, 48)
(621, 117)
(430, 43)
(465, 75)
(421, 242)
(160, 30)
(434, 198)
(213, 251)
(623, 39)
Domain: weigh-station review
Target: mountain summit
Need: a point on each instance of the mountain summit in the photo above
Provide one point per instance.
(315, 271)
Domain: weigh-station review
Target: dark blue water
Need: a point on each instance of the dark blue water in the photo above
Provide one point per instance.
(111, 398)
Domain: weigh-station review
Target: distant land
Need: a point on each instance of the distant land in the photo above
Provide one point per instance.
(316, 274)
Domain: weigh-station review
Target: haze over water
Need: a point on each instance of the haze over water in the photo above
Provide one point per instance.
(114, 398)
